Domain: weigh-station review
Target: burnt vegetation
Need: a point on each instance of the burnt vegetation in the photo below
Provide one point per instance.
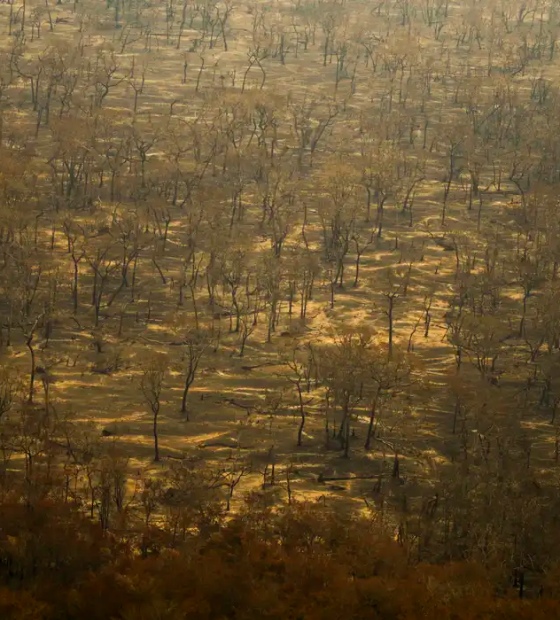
(266, 267)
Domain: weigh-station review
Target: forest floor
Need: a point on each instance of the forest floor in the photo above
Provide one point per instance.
(225, 405)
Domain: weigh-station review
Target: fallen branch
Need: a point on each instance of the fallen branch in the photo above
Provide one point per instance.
(221, 444)
(264, 365)
(322, 479)
(234, 403)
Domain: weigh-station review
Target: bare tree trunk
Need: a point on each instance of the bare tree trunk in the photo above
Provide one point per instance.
(155, 430)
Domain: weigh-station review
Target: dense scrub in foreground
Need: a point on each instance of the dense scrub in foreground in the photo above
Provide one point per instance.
(302, 562)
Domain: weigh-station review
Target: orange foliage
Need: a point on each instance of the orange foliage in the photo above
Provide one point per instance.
(303, 563)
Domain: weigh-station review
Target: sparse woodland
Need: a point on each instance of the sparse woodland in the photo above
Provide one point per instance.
(266, 266)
